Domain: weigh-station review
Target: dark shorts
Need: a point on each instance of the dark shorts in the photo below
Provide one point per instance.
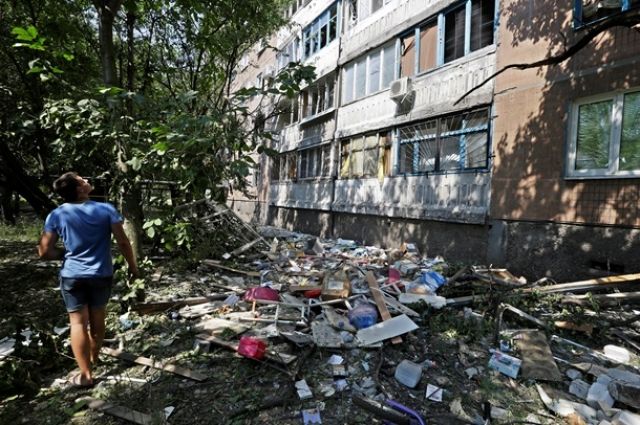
(93, 291)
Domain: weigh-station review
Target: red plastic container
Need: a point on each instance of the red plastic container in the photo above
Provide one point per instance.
(252, 347)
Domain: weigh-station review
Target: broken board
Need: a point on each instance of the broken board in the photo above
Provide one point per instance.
(391, 328)
(217, 326)
(379, 298)
(537, 359)
(145, 361)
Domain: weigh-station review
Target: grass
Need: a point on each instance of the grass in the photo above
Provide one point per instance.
(26, 229)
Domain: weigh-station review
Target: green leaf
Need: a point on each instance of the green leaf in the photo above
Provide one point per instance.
(35, 70)
(68, 56)
(25, 34)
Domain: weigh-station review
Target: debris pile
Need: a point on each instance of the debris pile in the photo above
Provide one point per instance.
(409, 338)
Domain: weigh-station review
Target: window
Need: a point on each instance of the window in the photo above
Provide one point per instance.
(322, 31)
(606, 136)
(454, 34)
(454, 143)
(366, 156)
(284, 166)
(318, 98)
(482, 16)
(315, 162)
(369, 73)
(362, 9)
(457, 40)
(289, 53)
(428, 47)
(590, 11)
(408, 55)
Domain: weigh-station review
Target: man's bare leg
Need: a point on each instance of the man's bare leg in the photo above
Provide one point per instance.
(80, 343)
(96, 331)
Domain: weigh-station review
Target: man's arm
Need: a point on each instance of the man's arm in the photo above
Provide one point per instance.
(47, 249)
(125, 247)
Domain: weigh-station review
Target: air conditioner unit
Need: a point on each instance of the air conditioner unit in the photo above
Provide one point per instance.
(400, 89)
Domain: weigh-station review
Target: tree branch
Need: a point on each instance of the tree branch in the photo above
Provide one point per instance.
(627, 19)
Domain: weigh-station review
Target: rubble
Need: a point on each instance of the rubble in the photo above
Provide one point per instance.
(394, 332)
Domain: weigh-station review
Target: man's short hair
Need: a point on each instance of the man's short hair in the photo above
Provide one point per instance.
(66, 186)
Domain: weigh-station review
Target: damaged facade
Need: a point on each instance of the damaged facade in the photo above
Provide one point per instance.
(536, 171)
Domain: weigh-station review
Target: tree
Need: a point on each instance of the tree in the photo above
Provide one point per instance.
(161, 108)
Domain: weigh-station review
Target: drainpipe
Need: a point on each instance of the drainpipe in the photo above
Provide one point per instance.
(337, 101)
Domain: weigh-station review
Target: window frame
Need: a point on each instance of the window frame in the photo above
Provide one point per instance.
(613, 170)
(365, 59)
(312, 33)
(438, 138)
(577, 14)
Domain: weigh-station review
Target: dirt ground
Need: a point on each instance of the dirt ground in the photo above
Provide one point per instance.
(237, 390)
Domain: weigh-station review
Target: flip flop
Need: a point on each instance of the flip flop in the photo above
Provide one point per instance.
(76, 382)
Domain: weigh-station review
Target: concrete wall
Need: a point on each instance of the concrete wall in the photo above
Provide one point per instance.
(566, 252)
(456, 242)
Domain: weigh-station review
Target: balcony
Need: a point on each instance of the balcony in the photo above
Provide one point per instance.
(387, 22)
(454, 197)
(435, 93)
(309, 194)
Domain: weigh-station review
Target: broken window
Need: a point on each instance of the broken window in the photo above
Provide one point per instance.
(315, 162)
(322, 31)
(606, 136)
(480, 33)
(366, 156)
(275, 168)
(454, 34)
(318, 97)
(453, 143)
(589, 11)
(428, 47)
(408, 55)
(482, 18)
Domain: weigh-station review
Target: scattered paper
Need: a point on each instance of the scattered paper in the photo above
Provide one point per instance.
(433, 393)
(335, 360)
(304, 392)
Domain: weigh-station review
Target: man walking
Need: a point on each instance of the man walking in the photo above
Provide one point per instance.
(87, 270)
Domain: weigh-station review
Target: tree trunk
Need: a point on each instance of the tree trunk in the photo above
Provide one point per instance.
(107, 11)
(130, 200)
(21, 182)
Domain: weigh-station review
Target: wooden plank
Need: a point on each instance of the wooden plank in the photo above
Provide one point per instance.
(246, 247)
(603, 299)
(153, 307)
(537, 359)
(589, 284)
(217, 265)
(379, 299)
(168, 367)
(281, 358)
(121, 412)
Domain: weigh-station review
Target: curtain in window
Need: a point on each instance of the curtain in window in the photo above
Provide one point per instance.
(454, 35)
(630, 141)
(407, 55)
(594, 135)
(428, 46)
(482, 17)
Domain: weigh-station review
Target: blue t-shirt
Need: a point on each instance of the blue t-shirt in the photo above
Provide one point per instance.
(85, 230)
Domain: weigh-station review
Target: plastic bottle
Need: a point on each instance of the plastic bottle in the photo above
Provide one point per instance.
(363, 315)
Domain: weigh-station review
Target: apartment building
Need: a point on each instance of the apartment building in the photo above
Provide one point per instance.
(381, 147)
